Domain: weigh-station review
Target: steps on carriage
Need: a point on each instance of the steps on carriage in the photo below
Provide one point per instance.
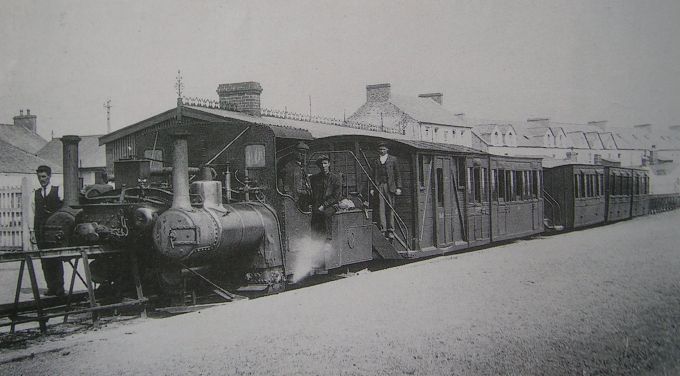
(550, 226)
(389, 249)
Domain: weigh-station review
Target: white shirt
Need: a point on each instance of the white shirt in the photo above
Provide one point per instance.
(383, 159)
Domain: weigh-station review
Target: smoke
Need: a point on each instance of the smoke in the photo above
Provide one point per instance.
(308, 254)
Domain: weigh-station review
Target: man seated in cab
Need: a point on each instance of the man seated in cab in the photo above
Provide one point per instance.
(326, 193)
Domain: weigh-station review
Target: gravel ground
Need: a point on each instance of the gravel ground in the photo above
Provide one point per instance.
(603, 301)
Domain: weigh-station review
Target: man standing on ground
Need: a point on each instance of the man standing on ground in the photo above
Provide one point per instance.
(47, 200)
(386, 177)
(326, 193)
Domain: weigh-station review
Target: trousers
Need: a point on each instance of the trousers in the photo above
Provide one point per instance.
(385, 213)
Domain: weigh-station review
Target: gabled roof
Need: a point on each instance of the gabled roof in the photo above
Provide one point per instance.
(594, 141)
(425, 110)
(18, 161)
(21, 138)
(608, 141)
(578, 140)
(90, 153)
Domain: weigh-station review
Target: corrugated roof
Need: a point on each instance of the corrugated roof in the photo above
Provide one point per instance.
(16, 160)
(90, 153)
(21, 138)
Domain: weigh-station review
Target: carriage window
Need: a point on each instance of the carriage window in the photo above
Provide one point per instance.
(527, 185)
(440, 186)
(255, 156)
(478, 184)
(576, 185)
(596, 184)
(501, 185)
(494, 185)
(156, 157)
(471, 193)
(590, 186)
(485, 184)
(519, 184)
(636, 186)
(509, 186)
(460, 165)
(534, 184)
(601, 180)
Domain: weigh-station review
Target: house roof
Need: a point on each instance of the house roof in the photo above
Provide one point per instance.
(594, 141)
(578, 140)
(608, 141)
(425, 110)
(21, 138)
(16, 160)
(90, 153)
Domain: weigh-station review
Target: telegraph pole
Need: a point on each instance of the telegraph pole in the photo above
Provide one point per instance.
(107, 106)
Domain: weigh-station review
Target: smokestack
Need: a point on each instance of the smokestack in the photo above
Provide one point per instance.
(180, 171)
(70, 164)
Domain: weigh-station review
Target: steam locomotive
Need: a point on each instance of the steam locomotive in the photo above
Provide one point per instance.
(215, 212)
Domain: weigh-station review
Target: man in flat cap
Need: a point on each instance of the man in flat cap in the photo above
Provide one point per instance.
(295, 179)
(326, 193)
(386, 177)
(47, 200)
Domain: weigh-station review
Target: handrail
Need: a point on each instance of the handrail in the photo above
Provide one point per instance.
(555, 207)
(400, 221)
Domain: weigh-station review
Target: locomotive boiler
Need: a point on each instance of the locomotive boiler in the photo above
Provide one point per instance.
(211, 232)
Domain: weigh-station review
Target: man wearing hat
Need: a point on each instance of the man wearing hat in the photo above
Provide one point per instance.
(295, 179)
(386, 177)
(47, 200)
(326, 193)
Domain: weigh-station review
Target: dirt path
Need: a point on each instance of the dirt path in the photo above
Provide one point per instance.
(604, 301)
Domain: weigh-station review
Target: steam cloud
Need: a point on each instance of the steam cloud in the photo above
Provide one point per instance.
(309, 254)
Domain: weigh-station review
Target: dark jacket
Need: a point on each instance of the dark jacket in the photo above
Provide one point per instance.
(326, 190)
(295, 180)
(393, 177)
(44, 207)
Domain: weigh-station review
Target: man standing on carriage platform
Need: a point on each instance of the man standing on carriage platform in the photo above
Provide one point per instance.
(47, 200)
(386, 176)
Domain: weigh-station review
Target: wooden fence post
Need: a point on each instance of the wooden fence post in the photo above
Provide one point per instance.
(26, 214)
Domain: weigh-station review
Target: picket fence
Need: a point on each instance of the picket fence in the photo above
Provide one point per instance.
(15, 214)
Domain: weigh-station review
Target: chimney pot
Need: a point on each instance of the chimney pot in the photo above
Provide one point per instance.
(21, 112)
(28, 112)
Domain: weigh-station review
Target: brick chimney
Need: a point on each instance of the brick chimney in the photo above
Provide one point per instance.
(378, 93)
(437, 97)
(27, 121)
(241, 96)
(602, 124)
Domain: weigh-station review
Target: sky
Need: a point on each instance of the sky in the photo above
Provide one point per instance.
(570, 61)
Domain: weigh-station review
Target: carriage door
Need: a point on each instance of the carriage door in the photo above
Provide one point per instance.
(442, 195)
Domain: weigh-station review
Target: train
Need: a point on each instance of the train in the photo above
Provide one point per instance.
(202, 201)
